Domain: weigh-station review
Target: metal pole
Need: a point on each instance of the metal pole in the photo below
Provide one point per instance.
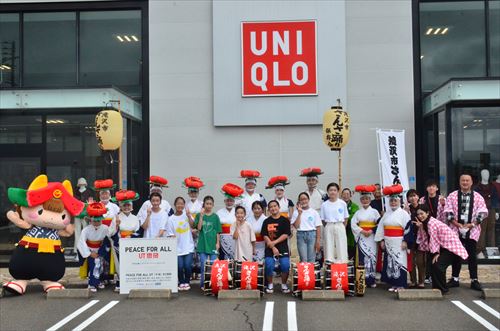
(340, 168)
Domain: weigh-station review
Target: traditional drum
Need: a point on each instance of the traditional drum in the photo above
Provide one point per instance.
(218, 276)
(249, 276)
(305, 276)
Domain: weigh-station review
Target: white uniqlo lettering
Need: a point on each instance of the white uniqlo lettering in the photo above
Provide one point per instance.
(305, 73)
(299, 42)
(276, 76)
(259, 72)
(253, 75)
(263, 43)
(283, 43)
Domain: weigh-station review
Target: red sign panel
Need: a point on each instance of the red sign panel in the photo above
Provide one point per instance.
(339, 275)
(219, 276)
(249, 275)
(279, 58)
(306, 276)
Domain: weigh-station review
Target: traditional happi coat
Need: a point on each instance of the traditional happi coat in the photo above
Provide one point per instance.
(440, 208)
(394, 228)
(439, 235)
(477, 207)
(366, 219)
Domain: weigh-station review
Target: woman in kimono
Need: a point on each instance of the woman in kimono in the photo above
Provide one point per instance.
(193, 208)
(255, 220)
(394, 235)
(363, 226)
(227, 218)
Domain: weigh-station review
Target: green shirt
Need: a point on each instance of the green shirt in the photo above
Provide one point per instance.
(207, 238)
(352, 208)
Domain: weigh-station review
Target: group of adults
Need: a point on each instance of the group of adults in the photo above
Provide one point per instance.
(421, 237)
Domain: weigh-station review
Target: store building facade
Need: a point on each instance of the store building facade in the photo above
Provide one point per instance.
(197, 104)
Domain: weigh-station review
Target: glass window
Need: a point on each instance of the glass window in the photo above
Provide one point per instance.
(430, 148)
(9, 50)
(72, 150)
(50, 49)
(443, 175)
(16, 172)
(110, 50)
(452, 41)
(494, 29)
(21, 130)
(476, 140)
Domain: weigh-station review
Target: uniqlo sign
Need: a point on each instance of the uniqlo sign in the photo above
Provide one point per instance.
(279, 58)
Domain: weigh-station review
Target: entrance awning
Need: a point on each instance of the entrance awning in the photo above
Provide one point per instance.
(25, 99)
(462, 90)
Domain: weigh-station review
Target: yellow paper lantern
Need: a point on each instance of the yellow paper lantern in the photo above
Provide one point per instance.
(335, 128)
(109, 129)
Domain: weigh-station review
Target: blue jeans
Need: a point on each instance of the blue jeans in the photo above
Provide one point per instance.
(184, 268)
(305, 245)
(284, 263)
(203, 258)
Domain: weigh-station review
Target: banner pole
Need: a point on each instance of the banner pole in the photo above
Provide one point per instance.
(340, 168)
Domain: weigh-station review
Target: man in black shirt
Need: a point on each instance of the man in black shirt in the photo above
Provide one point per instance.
(275, 231)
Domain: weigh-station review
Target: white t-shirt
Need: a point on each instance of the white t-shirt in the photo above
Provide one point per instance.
(333, 212)
(309, 219)
(179, 225)
(143, 212)
(158, 221)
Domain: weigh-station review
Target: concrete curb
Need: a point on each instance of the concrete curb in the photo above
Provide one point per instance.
(491, 293)
(80, 293)
(239, 295)
(419, 294)
(150, 294)
(323, 295)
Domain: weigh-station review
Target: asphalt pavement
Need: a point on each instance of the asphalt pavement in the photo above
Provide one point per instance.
(377, 310)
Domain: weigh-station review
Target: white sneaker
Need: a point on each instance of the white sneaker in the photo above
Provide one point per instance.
(187, 287)
(269, 289)
(480, 255)
(92, 289)
(101, 286)
(285, 289)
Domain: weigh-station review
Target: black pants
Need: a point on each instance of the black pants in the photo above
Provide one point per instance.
(438, 269)
(470, 247)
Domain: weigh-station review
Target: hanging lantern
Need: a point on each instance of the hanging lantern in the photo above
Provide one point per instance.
(336, 127)
(109, 130)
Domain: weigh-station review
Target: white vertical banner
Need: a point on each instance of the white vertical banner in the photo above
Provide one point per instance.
(392, 158)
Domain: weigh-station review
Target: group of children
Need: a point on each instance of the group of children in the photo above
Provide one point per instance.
(249, 228)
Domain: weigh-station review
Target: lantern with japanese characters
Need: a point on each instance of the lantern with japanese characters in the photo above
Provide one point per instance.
(249, 276)
(217, 276)
(336, 126)
(109, 130)
(306, 276)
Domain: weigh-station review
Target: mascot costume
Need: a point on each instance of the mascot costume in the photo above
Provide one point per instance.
(45, 210)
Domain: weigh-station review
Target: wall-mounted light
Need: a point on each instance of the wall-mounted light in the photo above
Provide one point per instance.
(5, 67)
(421, 56)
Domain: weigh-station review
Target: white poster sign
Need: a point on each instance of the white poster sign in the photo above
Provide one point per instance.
(148, 264)
(392, 158)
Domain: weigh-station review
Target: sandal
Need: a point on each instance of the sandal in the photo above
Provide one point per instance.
(12, 289)
(53, 287)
